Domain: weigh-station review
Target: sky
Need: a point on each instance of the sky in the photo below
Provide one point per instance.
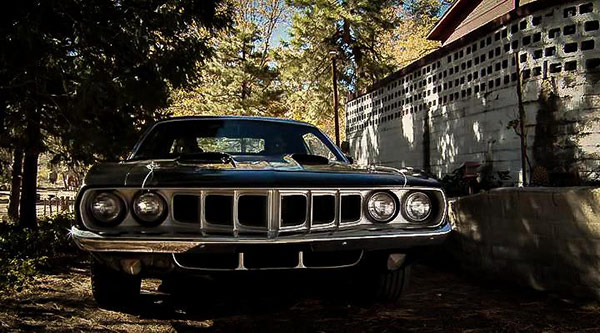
(281, 32)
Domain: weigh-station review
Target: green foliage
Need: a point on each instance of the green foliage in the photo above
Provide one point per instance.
(92, 73)
(353, 29)
(24, 253)
(425, 10)
(242, 77)
(249, 75)
(5, 161)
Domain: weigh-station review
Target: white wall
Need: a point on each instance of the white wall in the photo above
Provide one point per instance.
(473, 127)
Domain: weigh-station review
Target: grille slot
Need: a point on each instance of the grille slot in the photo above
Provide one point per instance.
(253, 210)
(186, 208)
(268, 258)
(331, 259)
(351, 208)
(293, 210)
(209, 261)
(218, 209)
(323, 209)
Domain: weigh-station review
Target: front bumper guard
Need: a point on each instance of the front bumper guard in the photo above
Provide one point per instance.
(341, 240)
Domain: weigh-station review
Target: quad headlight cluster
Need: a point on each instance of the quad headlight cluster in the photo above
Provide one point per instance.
(109, 209)
(150, 208)
(384, 206)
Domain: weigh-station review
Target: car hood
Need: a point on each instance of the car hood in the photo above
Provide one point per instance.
(281, 174)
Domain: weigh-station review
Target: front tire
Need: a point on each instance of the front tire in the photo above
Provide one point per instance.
(391, 285)
(113, 289)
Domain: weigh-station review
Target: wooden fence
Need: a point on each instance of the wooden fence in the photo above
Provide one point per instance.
(51, 206)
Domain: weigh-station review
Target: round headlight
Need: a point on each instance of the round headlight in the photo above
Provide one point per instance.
(382, 207)
(107, 208)
(149, 209)
(417, 206)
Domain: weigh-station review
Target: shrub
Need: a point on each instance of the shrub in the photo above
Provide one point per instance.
(25, 252)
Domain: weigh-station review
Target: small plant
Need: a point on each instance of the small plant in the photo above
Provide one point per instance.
(24, 253)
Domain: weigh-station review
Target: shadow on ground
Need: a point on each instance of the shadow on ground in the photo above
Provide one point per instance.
(438, 301)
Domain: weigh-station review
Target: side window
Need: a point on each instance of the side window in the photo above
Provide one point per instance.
(316, 147)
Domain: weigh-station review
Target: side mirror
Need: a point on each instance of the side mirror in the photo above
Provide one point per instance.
(350, 159)
(345, 147)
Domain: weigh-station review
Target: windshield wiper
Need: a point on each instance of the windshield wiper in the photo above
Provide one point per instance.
(206, 158)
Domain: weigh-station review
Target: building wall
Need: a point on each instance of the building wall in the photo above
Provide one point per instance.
(456, 108)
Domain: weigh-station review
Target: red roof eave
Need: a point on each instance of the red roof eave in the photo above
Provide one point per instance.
(451, 18)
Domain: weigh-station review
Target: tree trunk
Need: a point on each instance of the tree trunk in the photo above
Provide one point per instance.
(32, 151)
(15, 189)
(28, 198)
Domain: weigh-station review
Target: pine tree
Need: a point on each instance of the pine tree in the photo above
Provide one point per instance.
(242, 78)
(92, 72)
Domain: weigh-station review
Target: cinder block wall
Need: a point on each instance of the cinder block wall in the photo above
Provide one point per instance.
(545, 238)
(455, 105)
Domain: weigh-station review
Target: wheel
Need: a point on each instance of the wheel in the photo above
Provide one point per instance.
(113, 289)
(391, 285)
(381, 285)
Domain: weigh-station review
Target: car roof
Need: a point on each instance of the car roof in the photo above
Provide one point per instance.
(269, 119)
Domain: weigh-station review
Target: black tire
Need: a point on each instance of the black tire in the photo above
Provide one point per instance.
(391, 285)
(113, 289)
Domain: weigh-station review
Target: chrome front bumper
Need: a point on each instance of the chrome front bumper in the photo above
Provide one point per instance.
(341, 240)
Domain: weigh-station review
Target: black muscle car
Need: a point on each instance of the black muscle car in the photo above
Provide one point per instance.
(214, 194)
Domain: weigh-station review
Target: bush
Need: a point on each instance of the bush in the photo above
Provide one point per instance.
(26, 252)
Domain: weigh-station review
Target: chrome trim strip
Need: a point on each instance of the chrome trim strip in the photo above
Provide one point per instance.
(300, 260)
(90, 241)
(241, 265)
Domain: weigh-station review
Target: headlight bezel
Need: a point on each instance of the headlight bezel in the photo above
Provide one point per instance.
(433, 202)
(374, 219)
(159, 218)
(118, 219)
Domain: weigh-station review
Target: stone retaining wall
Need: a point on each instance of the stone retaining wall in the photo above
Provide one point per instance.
(547, 238)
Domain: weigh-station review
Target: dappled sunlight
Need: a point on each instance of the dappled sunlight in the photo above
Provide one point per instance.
(408, 129)
(477, 131)
(447, 148)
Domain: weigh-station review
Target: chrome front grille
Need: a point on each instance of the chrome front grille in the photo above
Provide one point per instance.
(260, 212)
(267, 211)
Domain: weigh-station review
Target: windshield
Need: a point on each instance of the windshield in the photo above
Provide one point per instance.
(244, 139)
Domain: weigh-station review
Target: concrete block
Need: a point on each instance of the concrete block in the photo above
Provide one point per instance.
(567, 230)
(527, 274)
(575, 248)
(506, 252)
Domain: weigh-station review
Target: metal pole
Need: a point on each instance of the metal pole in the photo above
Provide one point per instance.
(335, 97)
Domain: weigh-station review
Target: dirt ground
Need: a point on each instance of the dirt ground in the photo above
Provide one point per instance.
(438, 301)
